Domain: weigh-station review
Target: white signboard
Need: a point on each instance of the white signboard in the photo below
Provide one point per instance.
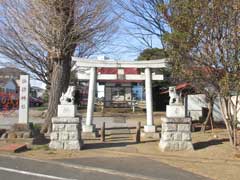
(24, 100)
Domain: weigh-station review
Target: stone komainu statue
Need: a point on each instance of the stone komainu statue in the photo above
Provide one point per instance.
(68, 97)
(174, 97)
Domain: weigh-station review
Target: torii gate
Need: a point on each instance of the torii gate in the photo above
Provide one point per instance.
(148, 76)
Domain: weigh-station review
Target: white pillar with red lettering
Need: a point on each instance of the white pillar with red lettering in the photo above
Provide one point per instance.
(23, 117)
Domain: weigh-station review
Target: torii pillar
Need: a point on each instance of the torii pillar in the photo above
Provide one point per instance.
(89, 128)
(149, 127)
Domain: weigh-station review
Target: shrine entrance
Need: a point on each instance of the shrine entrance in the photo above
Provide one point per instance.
(92, 75)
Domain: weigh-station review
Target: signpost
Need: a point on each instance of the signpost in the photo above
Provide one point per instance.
(24, 100)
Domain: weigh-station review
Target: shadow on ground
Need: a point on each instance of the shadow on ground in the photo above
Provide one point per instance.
(106, 145)
(149, 141)
(205, 144)
(114, 142)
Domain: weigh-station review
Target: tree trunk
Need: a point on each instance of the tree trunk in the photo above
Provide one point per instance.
(49, 75)
(59, 84)
(235, 120)
(225, 115)
(209, 118)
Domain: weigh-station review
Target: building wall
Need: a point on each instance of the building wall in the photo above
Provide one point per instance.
(107, 96)
(40, 93)
(234, 98)
(10, 87)
(83, 93)
(195, 103)
(115, 93)
(100, 90)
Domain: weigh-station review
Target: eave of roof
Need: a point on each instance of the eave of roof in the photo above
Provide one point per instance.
(179, 87)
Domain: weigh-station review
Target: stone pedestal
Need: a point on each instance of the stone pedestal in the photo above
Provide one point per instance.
(176, 134)
(89, 131)
(67, 110)
(88, 128)
(176, 130)
(151, 135)
(66, 133)
(22, 130)
(175, 110)
(150, 132)
(149, 129)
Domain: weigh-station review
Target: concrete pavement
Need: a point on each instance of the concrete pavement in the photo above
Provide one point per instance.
(14, 168)
(140, 166)
(91, 168)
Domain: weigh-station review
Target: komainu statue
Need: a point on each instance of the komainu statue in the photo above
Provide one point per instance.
(174, 97)
(68, 97)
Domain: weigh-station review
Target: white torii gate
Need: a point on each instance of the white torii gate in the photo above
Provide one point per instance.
(148, 76)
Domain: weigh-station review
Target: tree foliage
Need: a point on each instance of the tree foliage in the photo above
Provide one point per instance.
(41, 36)
(154, 54)
(32, 32)
(151, 54)
(204, 46)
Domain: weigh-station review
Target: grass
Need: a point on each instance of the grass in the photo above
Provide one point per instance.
(40, 147)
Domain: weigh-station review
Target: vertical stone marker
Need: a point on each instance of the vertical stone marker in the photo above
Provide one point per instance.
(23, 116)
(176, 127)
(66, 128)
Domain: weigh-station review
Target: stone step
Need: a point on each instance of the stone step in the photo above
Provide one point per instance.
(119, 120)
(119, 131)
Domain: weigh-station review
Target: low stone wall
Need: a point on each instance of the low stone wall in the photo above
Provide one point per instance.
(176, 134)
(66, 133)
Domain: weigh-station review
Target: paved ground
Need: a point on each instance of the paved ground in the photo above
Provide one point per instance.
(22, 169)
(133, 168)
(7, 119)
(138, 166)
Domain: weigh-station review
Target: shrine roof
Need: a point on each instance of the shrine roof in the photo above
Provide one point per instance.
(179, 87)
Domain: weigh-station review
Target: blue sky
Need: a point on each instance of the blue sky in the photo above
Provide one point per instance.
(123, 45)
